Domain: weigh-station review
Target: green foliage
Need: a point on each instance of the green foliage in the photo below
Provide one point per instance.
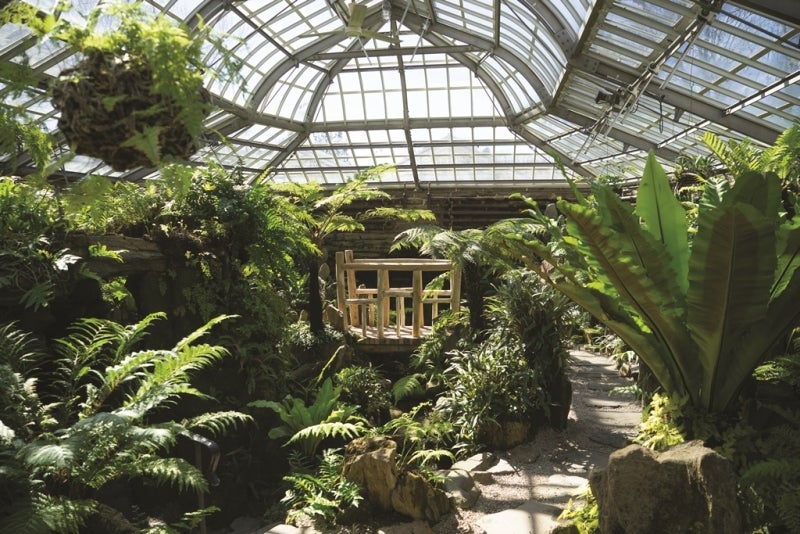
(309, 425)
(364, 387)
(19, 134)
(98, 206)
(173, 54)
(31, 264)
(661, 427)
(320, 213)
(321, 495)
(701, 326)
(424, 438)
(490, 383)
(101, 414)
(585, 517)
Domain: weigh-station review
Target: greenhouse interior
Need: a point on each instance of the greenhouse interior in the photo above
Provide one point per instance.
(400, 266)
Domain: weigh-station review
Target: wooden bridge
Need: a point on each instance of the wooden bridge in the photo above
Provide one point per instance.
(397, 311)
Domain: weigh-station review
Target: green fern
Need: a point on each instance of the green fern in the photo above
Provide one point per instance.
(103, 432)
(408, 386)
(309, 425)
(321, 495)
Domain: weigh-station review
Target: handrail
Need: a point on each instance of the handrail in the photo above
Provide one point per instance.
(368, 310)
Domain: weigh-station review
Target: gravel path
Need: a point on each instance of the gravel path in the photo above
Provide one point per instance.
(556, 464)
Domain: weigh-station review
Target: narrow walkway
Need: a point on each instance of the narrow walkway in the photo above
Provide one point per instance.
(556, 465)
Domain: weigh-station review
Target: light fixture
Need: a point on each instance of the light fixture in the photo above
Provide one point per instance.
(386, 9)
(611, 157)
(764, 93)
(606, 98)
(684, 133)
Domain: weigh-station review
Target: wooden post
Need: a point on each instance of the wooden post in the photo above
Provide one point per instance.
(417, 315)
(383, 277)
(340, 290)
(351, 290)
(455, 288)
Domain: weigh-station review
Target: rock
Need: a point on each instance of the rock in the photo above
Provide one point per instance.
(371, 463)
(502, 467)
(689, 487)
(477, 462)
(533, 517)
(415, 527)
(244, 524)
(460, 487)
(416, 497)
(559, 486)
(504, 435)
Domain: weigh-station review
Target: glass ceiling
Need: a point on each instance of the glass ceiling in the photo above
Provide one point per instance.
(476, 91)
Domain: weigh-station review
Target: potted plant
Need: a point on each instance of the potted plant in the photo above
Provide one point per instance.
(136, 95)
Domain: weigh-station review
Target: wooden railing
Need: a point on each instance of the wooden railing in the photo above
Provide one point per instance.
(380, 312)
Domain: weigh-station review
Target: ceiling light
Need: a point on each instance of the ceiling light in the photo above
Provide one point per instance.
(684, 133)
(764, 93)
(386, 10)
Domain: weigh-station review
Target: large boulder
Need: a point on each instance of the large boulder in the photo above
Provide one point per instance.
(687, 488)
(416, 497)
(371, 463)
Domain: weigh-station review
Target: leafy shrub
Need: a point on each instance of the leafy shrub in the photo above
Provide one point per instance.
(32, 262)
(493, 382)
(364, 387)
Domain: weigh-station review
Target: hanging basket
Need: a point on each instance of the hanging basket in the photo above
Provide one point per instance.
(109, 111)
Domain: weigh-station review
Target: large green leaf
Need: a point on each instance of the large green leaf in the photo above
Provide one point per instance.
(638, 268)
(762, 191)
(650, 349)
(730, 275)
(664, 217)
(788, 247)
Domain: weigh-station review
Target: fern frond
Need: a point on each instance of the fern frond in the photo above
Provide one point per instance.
(62, 514)
(425, 456)
(772, 469)
(18, 348)
(39, 455)
(408, 386)
(217, 423)
(154, 437)
(175, 472)
(129, 369)
(319, 432)
(200, 332)
(788, 506)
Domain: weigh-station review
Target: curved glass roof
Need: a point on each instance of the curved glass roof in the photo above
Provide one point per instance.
(473, 91)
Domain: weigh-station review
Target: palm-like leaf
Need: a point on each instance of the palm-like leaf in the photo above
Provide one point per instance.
(664, 217)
